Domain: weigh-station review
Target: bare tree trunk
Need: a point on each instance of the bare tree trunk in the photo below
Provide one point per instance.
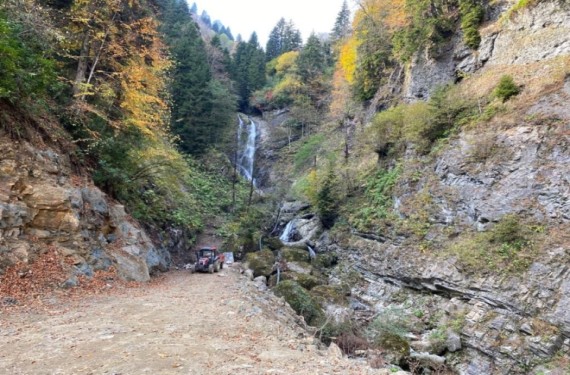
(99, 52)
(81, 65)
(346, 141)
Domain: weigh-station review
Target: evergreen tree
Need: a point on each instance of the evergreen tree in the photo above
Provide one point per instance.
(342, 24)
(292, 39)
(201, 104)
(194, 9)
(327, 205)
(284, 37)
(248, 70)
(205, 17)
(311, 59)
(229, 33)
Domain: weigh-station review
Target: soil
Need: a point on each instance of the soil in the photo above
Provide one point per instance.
(181, 323)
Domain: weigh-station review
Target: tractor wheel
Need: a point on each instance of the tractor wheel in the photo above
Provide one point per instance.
(217, 267)
(211, 268)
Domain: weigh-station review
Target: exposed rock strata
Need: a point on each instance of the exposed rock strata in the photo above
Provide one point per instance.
(43, 203)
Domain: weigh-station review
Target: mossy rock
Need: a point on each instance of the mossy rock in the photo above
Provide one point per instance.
(293, 254)
(330, 294)
(261, 263)
(273, 243)
(282, 277)
(301, 301)
(309, 281)
(396, 347)
(326, 260)
(299, 267)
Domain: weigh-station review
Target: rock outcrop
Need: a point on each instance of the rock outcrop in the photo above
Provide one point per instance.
(42, 202)
(527, 36)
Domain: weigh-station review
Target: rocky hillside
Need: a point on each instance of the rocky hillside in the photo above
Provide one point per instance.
(44, 202)
(459, 254)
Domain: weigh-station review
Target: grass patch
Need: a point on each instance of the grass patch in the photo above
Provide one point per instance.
(508, 247)
(377, 201)
(308, 151)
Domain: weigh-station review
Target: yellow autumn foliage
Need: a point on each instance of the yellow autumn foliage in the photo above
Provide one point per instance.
(392, 13)
(347, 59)
(286, 61)
(142, 79)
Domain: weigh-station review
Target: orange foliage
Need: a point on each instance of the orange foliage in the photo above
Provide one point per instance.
(142, 79)
(341, 96)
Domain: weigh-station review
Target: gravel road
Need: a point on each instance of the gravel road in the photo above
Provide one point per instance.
(181, 324)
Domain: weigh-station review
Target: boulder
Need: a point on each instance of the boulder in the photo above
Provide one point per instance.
(301, 301)
(261, 262)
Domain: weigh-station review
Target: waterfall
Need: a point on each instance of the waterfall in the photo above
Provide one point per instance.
(286, 235)
(312, 254)
(246, 148)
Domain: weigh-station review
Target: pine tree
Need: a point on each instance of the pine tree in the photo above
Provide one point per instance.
(205, 17)
(342, 24)
(194, 9)
(248, 70)
(202, 105)
(229, 33)
(274, 44)
(311, 58)
(284, 37)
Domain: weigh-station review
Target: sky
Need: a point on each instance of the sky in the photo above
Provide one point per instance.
(246, 16)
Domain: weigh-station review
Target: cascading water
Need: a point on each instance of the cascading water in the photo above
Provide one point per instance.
(286, 235)
(246, 149)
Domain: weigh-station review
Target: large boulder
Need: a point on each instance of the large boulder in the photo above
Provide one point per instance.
(301, 301)
(261, 262)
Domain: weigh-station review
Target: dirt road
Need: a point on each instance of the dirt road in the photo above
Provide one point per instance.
(183, 324)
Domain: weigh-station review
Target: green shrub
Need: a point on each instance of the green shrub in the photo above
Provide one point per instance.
(309, 281)
(377, 201)
(24, 69)
(301, 301)
(308, 151)
(292, 254)
(506, 88)
(327, 200)
(326, 260)
(507, 247)
(385, 133)
(472, 15)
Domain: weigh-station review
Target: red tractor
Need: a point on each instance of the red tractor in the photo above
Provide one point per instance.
(209, 260)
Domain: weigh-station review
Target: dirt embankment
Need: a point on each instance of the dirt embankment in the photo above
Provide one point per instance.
(180, 324)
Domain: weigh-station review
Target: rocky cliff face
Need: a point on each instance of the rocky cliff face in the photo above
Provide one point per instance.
(42, 202)
(528, 36)
(486, 318)
(508, 322)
